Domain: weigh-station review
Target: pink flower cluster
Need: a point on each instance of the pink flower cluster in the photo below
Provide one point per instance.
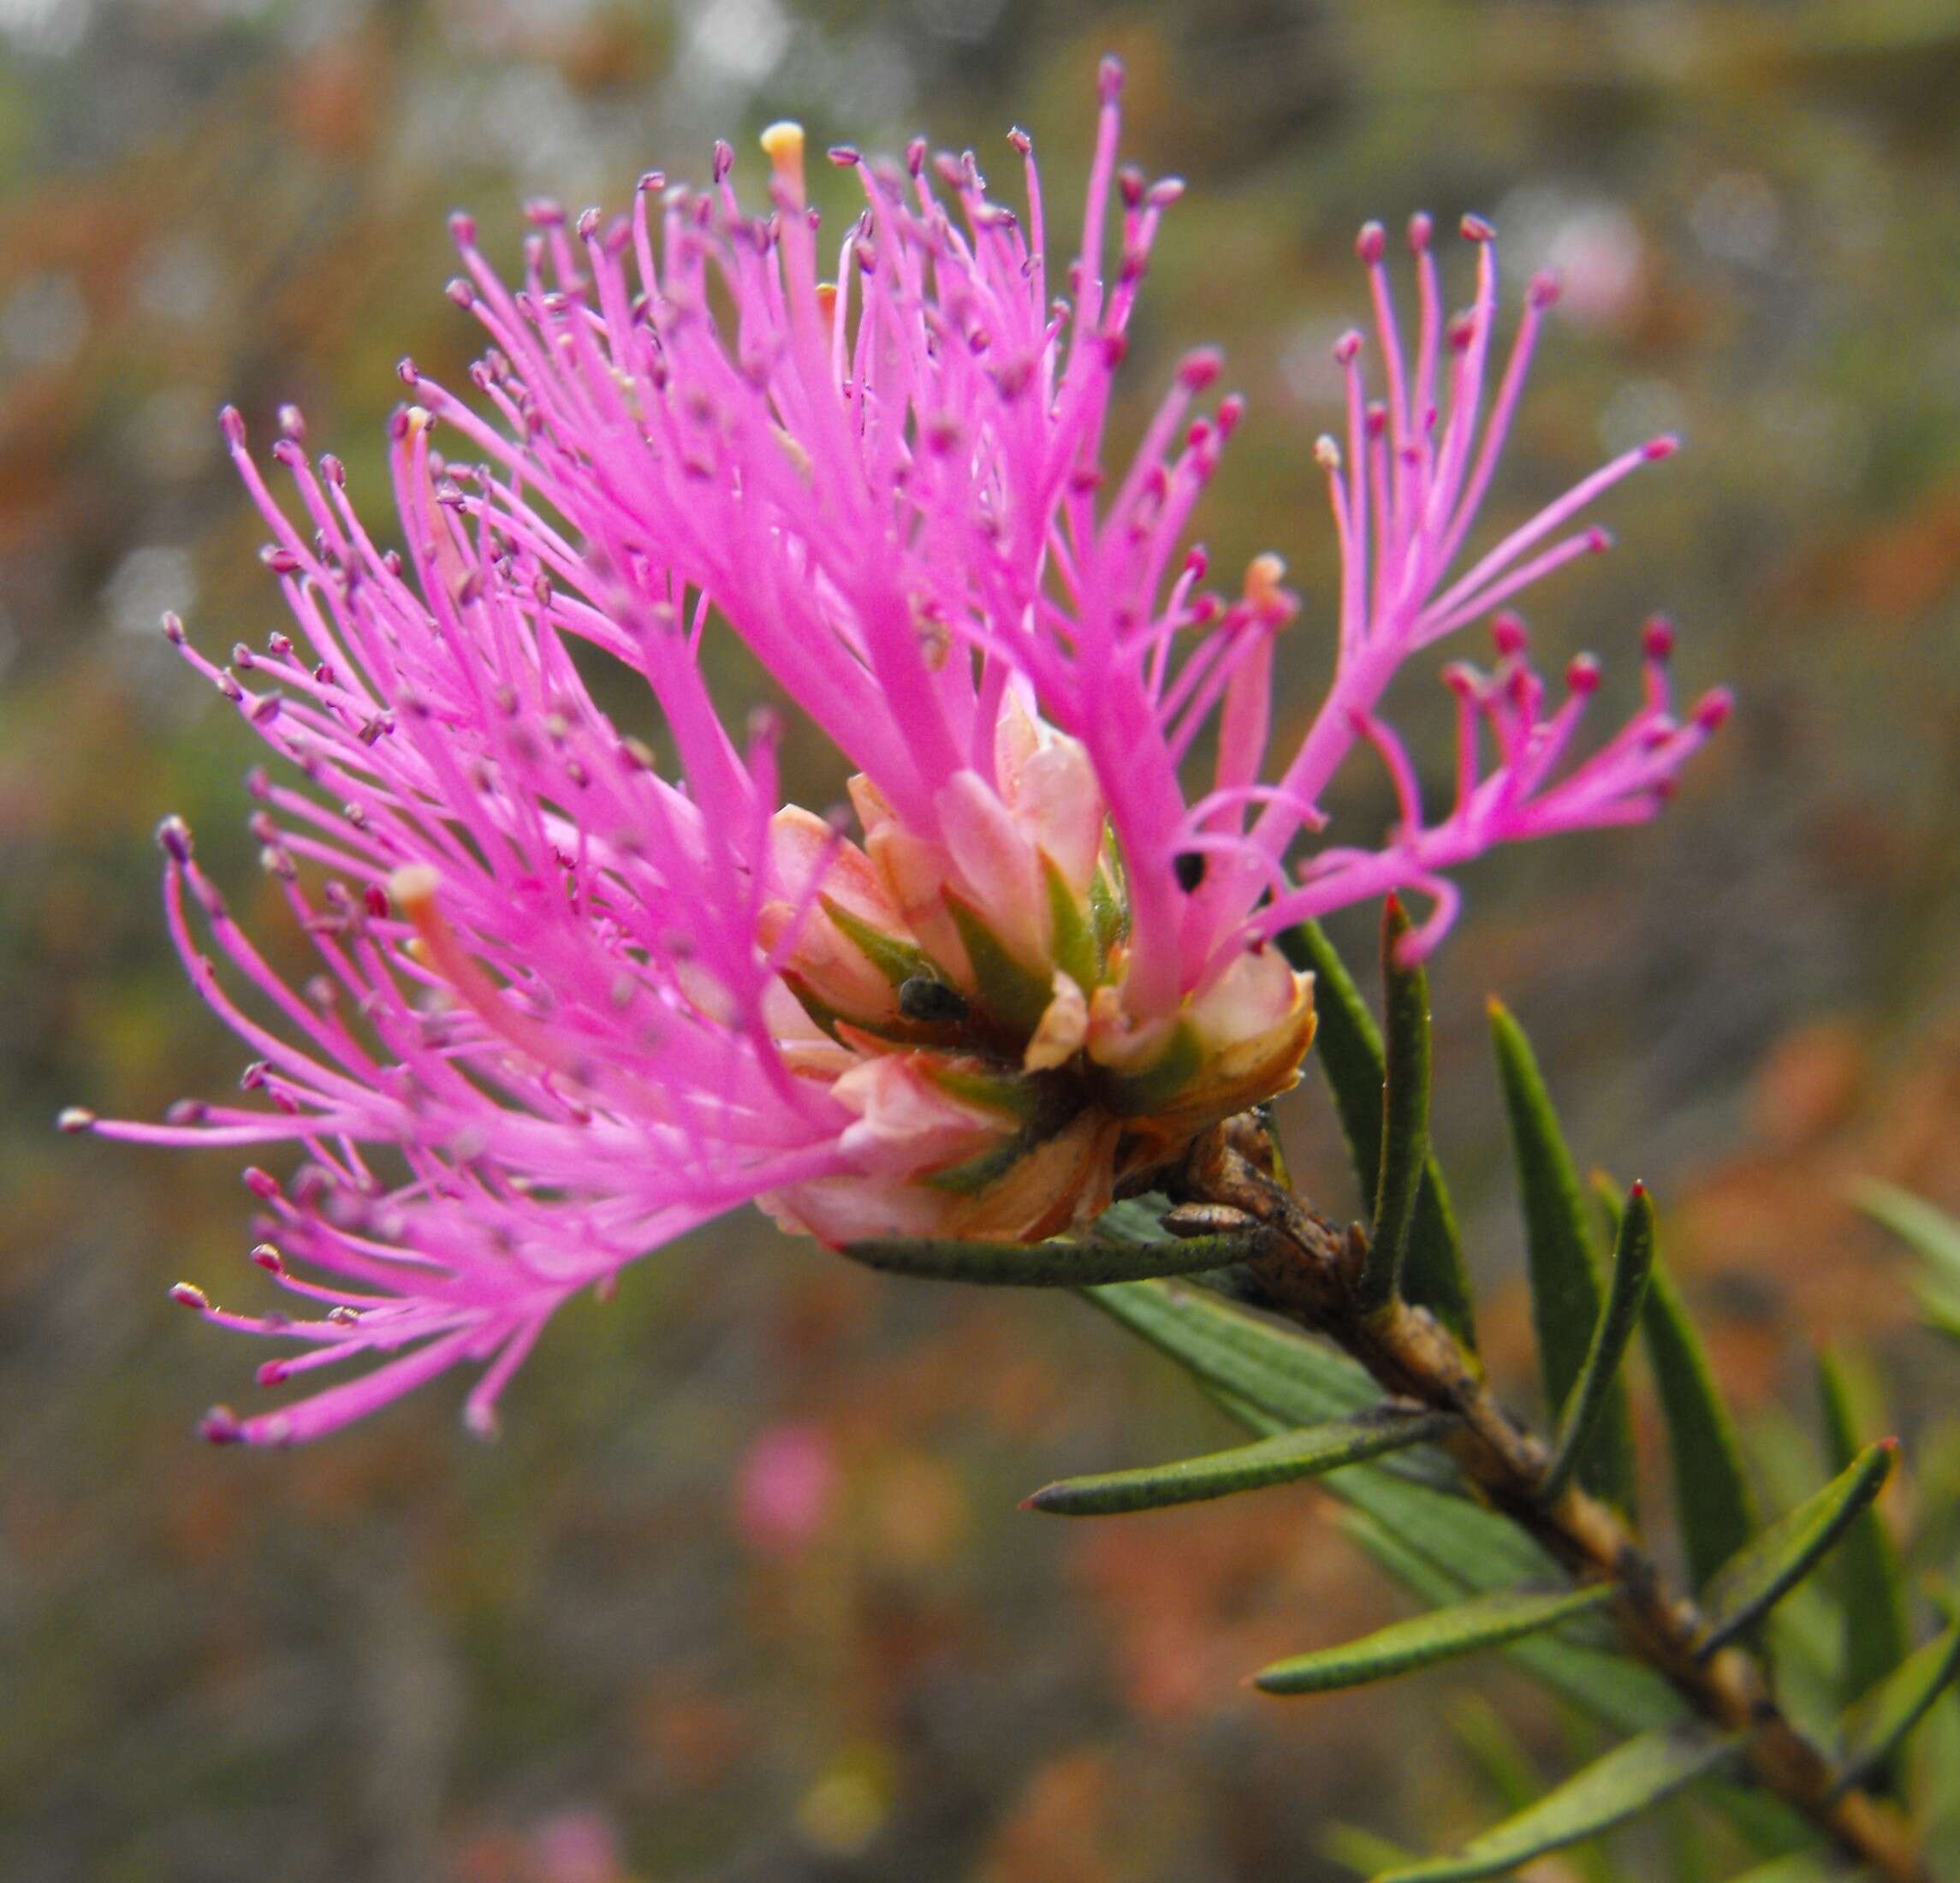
(578, 992)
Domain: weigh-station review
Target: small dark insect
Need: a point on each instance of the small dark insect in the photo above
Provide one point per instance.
(922, 998)
(1190, 867)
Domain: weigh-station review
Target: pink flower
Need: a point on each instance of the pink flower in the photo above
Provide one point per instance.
(576, 994)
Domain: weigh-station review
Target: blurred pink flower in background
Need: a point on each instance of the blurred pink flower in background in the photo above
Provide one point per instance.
(579, 993)
(783, 1488)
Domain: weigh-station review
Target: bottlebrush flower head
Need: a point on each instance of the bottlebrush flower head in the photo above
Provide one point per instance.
(577, 993)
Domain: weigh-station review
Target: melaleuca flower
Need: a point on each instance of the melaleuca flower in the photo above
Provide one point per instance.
(577, 993)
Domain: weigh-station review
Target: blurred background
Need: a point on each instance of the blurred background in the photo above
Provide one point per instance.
(744, 1592)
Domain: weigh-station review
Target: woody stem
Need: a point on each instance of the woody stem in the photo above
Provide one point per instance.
(1309, 1270)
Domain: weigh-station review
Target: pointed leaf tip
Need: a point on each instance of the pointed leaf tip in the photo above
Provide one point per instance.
(1492, 1620)
(1309, 1451)
(1770, 1567)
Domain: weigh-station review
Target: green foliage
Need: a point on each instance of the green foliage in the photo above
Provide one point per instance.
(1466, 1628)
(1404, 1112)
(1593, 1396)
(1875, 1725)
(1047, 1264)
(1871, 1591)
(1488, 1584)
(1348, 1048)
(1713, 1501)
(1629, 1780)
(1567, 1297)
(1934, 1235)
(1771, 1564)
(1307, 1451)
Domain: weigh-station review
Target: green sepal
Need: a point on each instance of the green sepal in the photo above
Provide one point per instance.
(1139, 1095)
(898, 961)
(1632, 1267)
(1348, 1045)
(1712, 1495)
(1491, 1620)
(1055, 1264)
(1014, 1094)
(1404, 1112)
(1564, 1260)
(1870, 1580)
(1876, 1725)
(1012, 993)
(1303, 1451)
(1769, 1566)
(1072, 941)
(1630, 1778)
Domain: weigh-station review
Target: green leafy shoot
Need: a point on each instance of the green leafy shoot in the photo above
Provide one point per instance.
(1348, 1046)
(1307, 1451)
(1871, 1582)
(1405, 1112)
(1566, 1295)
(1875, 1726)
(1772, 1563)
(1492, 1620)
(1711, 1495)
(1059, 1264)
(1931, 1233)
(1629, 1780)
(1633, 1263)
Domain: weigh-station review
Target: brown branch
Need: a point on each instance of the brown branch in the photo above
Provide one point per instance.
(1310, 1272)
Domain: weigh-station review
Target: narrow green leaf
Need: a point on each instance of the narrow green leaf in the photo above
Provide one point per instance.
(1047, 1264)
(1361, 1851)
(1484, 1621)
(1610, 1687)
(1299, 1381)
(1933, 1234)
(1927, 1228)
(1711, 1492)
(1307, 1452)
(1348, 1046)
(1627, 1781)
(1405, 1112)
(1772, 1563)
(1870, 1580)
(1567, 1294)
(1876, 1726)
(1633, 1264)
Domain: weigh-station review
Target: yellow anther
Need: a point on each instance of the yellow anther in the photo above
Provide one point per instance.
(1326, 453)
(783, 144)
(827, 298)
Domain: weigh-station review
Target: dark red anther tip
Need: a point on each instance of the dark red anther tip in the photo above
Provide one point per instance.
(463, 228)
(1583, 673)
(1371, 242)
(1598, 540)
(188, 1294)
(1507, 633)
(269, 1258)
(1545, 288)
(1663, 447)
(261, 1183)
(1657, 637)
(1637, 1190)
(232, 424)
(1713, 710)
(221, 1426)
(1110, 80)
(1347, 346)
(1198, 369)
(1477, 229)
(1420, 228)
